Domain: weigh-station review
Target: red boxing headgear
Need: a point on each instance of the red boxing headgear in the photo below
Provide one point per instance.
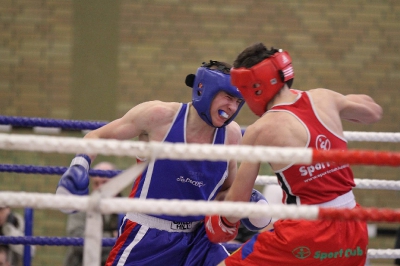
(260, 83)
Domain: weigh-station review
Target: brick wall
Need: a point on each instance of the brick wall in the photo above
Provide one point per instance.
(351, 47)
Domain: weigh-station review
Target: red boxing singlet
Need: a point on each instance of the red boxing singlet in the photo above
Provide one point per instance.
(320, 182)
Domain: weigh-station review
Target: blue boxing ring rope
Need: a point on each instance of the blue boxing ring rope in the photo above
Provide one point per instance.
(50, 123)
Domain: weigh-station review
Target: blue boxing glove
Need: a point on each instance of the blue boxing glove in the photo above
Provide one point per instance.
(75, 180)
(256, 224)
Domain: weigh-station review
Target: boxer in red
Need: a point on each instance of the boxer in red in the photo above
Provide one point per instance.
(288, 118)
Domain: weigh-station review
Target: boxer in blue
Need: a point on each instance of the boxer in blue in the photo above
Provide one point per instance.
(165, 239)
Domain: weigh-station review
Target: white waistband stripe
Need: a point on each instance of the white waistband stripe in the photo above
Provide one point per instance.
(157, 223)
(345, 201)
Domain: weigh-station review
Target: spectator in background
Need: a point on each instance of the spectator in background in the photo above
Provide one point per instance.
(12, 224)
(76, 223)
(4, 256)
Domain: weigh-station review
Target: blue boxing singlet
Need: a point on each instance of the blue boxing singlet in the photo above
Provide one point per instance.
(182, 179)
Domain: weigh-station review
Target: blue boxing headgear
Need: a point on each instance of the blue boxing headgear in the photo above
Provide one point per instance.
(207, 83)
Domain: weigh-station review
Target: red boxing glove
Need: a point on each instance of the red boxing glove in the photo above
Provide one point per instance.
(220, 230)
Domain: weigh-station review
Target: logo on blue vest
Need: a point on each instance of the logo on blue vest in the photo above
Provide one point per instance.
(193, 182)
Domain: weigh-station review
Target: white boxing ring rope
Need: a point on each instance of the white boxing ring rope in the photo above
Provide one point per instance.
(96, 205)
(156, 206)
(176, 151)
(372, 136)
(360, 183)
